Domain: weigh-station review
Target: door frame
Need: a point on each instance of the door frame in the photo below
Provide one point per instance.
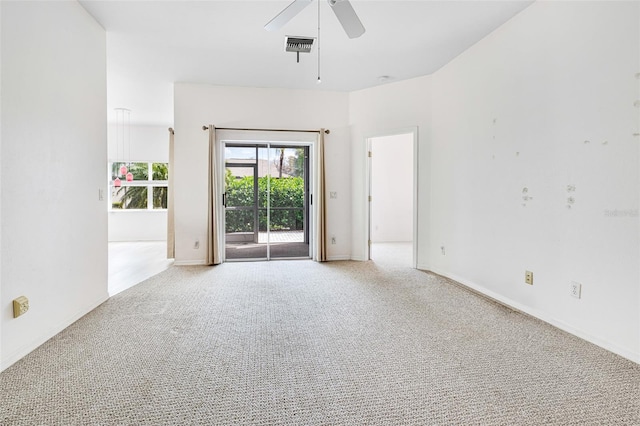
(256, 219)
(253, 137)
(368, 185)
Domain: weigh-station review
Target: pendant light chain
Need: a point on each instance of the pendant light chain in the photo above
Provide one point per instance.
(128, 127)
(117, 141)
(120, 167)
(129, 174)
(123, 134)
(116, 181)
(319, 81)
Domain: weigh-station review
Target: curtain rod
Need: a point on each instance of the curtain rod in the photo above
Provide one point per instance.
(268, 130)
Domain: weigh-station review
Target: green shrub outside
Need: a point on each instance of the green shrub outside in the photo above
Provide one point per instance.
(135, 197)
(285, 192)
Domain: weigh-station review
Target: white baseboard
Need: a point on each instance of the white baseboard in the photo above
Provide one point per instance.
(119, 289)
(544, 316)
(339, 257)
(190, 262)
(48, 333)
(424, 267)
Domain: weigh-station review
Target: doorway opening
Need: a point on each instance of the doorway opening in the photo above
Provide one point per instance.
(392, 201)
(266, 201)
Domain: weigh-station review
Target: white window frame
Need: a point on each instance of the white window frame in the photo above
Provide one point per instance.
(149, 184)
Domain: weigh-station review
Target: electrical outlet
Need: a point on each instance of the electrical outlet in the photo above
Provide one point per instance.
(196, 245)
(528, 277)
(575, 289)
(20, 306)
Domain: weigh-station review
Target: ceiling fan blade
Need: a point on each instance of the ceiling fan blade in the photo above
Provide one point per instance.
(287, 14)
(347, 17)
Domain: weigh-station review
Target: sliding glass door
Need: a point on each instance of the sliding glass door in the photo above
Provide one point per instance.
(266, 201)
(241, 198)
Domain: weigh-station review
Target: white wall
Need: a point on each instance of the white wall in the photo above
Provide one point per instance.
(392, 188)
(53, 225)
(198, 105)
(516, 111)
(1, 118)
(378, 111)
(147, 144)
(144, 225)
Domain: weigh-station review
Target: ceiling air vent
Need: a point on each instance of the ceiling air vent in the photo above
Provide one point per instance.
(298, 44)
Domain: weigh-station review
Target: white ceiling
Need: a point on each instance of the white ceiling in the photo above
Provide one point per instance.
(152, 44)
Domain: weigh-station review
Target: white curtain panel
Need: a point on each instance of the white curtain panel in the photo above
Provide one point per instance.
(320, 202)
(171, 232)
(213, 247)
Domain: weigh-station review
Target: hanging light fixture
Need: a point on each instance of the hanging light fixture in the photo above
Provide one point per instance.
(123, 137)
(319, 80)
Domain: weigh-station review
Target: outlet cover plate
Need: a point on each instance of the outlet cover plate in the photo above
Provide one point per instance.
(575, 289)
(20, 306)
(528, 277)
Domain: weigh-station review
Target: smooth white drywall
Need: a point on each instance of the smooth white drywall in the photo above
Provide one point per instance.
(138, 225)
(198, 105)
(545, 103)
(145, 144)
(392, 188)
(386, 110)
(54, 227)
(0, 182)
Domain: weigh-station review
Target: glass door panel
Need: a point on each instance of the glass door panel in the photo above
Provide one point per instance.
(241, 213)
(288, 232)
(263, 170)
(267, 201)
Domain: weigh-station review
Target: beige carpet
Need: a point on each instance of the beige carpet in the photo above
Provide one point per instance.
(302, 343)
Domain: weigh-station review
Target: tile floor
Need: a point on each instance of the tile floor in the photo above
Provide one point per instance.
(131, 263)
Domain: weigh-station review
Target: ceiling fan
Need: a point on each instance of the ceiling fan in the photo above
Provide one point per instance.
(342, 8)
